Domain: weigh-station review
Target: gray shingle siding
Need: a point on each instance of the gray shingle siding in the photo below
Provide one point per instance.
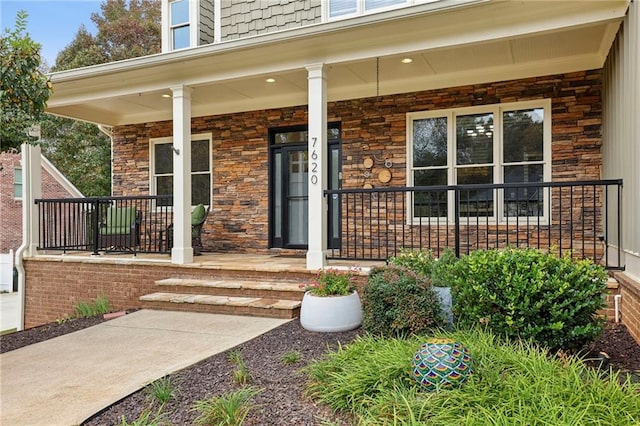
(242, 18)
(206, 22)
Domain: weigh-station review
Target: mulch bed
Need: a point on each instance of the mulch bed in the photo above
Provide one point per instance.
(282, 400)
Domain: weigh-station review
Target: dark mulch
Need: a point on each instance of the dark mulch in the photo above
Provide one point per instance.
(282, 400)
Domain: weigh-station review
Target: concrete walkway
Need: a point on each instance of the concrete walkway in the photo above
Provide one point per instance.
(64, 381)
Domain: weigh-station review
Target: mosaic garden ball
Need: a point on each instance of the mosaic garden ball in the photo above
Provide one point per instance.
(441, 364)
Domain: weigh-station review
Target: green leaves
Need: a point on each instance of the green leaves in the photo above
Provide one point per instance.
(525, 293)
(24, 88)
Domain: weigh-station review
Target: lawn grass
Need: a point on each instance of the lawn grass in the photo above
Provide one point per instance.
(513, 384)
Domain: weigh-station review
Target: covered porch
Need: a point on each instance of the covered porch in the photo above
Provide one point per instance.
(295, 77)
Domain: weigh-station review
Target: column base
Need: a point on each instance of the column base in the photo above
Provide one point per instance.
(316, 260)
(182, 256)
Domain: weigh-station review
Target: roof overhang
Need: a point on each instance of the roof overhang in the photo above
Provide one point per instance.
(451, 43)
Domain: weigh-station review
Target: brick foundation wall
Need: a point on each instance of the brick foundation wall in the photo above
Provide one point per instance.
(371, 127)
(55, 284)
(630, 304)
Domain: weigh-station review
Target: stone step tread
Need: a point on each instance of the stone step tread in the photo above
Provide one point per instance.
(252, 302)
(294, 286)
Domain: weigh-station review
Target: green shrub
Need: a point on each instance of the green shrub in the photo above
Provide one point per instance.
(418, 261)
(424, 263)
(514, 383)
(397, 302)
(529, 294)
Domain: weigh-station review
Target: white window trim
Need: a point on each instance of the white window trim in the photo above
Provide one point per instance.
(498, 218)
(21, 184)
(360, 9)
(194, 25)
(169, 140)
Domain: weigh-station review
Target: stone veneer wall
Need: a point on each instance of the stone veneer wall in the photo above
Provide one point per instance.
(371, 127)
(242, 18)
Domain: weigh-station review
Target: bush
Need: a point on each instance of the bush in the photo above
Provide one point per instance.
(397, 302)
(424, 263)
(529, 294)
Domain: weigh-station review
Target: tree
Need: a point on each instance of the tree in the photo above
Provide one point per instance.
(126, 29)
(24, 88)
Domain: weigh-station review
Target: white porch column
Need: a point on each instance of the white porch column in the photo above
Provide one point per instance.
(182, 252)
(31, 190)
(316, 253)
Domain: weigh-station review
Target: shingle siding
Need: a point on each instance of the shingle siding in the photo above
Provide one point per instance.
(242, 18)
(207, 15)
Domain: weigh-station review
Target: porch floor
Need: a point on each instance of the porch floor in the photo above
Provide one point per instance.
(211, 260)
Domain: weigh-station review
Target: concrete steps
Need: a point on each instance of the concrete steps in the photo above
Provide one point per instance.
(267, 297)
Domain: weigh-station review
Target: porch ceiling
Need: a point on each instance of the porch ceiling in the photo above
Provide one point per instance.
(451, 43)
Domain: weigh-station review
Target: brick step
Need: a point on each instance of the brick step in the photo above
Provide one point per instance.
(249, 306)
(252, 288)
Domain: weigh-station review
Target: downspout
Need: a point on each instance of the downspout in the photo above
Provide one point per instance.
(31, 187)
(616, 307)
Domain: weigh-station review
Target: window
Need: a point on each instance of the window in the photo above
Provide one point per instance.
(179, 24)
(349, 8)
(504, 143)
(162, 168)
(17, 183)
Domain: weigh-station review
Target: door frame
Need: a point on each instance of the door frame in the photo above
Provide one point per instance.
(272, 148)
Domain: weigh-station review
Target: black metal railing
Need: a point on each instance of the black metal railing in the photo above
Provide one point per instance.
(136, 224)
(579, 218)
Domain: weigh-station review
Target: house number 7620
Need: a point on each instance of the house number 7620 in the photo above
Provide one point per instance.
(314, 161)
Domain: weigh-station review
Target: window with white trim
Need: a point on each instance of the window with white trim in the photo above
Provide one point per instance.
(350, 8)
(501, 143)
(161, 168)
(179, 25)
(17, 183)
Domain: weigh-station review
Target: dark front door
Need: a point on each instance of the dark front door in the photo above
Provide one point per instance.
(288, 182)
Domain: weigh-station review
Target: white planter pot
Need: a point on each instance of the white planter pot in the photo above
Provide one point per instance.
(334, 313)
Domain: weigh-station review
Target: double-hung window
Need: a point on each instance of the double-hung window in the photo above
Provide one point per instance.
(17, 183)
(179, 24)
(501, 143)
(162, 168)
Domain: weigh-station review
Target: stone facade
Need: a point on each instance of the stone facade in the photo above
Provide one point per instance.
(370, 127)
(242, 18)
(11, 207)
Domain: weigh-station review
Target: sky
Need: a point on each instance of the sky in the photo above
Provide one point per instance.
(52, 23)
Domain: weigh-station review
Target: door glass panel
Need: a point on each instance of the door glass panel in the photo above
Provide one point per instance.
(335, 201)
(474, 139)
(277, 195)
(297, 202)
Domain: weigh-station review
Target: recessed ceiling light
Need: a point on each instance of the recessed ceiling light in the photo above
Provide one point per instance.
(166, 96)
(407, 60)
(270, 80)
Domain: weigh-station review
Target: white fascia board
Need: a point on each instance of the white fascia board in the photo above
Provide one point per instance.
(62, 179)
(354, 39)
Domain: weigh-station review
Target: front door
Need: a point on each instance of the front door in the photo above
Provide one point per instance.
(288, 182)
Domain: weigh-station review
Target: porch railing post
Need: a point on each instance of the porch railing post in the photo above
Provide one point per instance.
(456, 212)
(96, 224)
